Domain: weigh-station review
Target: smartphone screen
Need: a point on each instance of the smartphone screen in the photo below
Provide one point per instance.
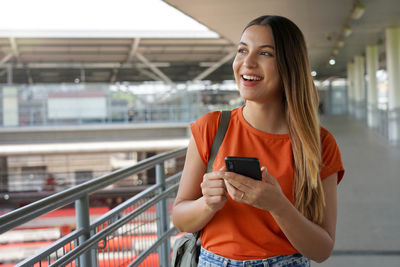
(246, 166)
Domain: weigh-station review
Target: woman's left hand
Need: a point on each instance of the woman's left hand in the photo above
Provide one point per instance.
(266, 194)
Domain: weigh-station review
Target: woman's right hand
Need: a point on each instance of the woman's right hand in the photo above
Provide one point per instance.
(214, 190)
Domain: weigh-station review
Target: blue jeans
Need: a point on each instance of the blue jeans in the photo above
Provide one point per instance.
(209, 259)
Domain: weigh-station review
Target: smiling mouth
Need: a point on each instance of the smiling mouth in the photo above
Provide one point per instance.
(252, 78)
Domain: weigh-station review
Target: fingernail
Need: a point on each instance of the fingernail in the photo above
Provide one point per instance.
(263, 168)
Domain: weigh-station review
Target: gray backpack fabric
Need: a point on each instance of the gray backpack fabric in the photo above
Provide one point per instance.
(186, 249)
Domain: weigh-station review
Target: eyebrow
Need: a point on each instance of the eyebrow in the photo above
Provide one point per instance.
(262, 46)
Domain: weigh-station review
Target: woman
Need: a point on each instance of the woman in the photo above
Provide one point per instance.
(289, 217)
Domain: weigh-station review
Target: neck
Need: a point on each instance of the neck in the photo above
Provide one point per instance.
(268, 118)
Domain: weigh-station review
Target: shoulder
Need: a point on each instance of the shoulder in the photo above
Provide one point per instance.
(208, 118)
(203, 131)
(324, 132)
(327, 137)
(328, 142)
(207, 122)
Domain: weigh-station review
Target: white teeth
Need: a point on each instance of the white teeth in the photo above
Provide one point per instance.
(252, 78)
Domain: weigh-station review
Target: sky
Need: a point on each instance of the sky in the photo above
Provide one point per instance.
(96, 18)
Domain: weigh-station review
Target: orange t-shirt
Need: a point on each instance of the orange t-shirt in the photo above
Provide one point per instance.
(239, 231)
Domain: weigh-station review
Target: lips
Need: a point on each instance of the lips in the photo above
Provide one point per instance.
(250, 79)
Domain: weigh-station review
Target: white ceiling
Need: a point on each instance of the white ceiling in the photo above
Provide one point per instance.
(322, 22)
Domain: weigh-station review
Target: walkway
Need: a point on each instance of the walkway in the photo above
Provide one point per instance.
(368, 197)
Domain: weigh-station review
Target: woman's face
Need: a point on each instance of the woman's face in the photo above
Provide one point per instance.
(255, 67)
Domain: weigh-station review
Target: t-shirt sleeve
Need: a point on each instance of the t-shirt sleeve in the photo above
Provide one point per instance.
(203, 130)
(331, 157)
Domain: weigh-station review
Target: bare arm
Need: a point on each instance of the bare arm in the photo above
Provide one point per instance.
(199, 195)
(311, 240)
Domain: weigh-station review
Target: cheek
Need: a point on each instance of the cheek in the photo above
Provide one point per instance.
(274, 73)
(274, 69)
(235, 67)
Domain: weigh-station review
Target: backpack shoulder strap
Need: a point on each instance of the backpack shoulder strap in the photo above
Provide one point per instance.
(219, 137)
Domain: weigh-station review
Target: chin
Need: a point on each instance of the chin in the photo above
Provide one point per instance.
(249, 96)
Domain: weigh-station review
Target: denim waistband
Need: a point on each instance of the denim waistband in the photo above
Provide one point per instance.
(209, 259)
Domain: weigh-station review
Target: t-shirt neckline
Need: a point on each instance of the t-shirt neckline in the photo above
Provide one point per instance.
(256, 131)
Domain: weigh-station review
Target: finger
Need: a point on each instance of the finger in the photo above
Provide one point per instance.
(214, 192)
(214, 183)
(239, 181)
(235, 193)
(230, 188)
(264, 173)
(213, 187)
(213, 175)
(266, 177)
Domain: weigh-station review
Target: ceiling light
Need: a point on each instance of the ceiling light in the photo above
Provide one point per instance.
(313, 73)
(332, 61)
(347, 31)
(358, 11)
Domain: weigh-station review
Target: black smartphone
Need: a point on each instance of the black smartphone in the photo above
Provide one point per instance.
(246, 166)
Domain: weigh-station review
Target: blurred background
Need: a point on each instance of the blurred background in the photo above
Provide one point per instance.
(89, 87)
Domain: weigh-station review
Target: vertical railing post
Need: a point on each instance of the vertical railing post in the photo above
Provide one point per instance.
(162, 220)
(93, 253)
(83, 222)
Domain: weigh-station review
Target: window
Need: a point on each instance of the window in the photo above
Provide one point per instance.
(83, 176)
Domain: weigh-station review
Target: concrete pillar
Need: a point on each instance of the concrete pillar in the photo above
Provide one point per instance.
(393, 69)
(10, 106)
(350, 87)
(372, 92)
(9, 74)
(359, 84)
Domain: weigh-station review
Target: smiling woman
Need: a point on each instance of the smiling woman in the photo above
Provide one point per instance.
(289, 217)
(102, 18)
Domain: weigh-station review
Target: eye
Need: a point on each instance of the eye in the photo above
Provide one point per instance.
(265, 53)
(241, 51)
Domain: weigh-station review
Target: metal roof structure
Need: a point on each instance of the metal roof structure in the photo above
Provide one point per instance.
(55, 60)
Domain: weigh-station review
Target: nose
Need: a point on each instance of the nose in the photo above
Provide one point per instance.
(250, 61)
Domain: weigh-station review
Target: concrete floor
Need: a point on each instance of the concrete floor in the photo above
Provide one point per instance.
(368, 226)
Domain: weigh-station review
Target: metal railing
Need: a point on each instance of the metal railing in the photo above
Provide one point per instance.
(137, 231)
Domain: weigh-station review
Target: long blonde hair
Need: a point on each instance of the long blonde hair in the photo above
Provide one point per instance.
(301, 106)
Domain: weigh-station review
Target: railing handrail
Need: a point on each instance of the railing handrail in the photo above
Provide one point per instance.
(22, 215)
(124, 205)
(93, 240)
